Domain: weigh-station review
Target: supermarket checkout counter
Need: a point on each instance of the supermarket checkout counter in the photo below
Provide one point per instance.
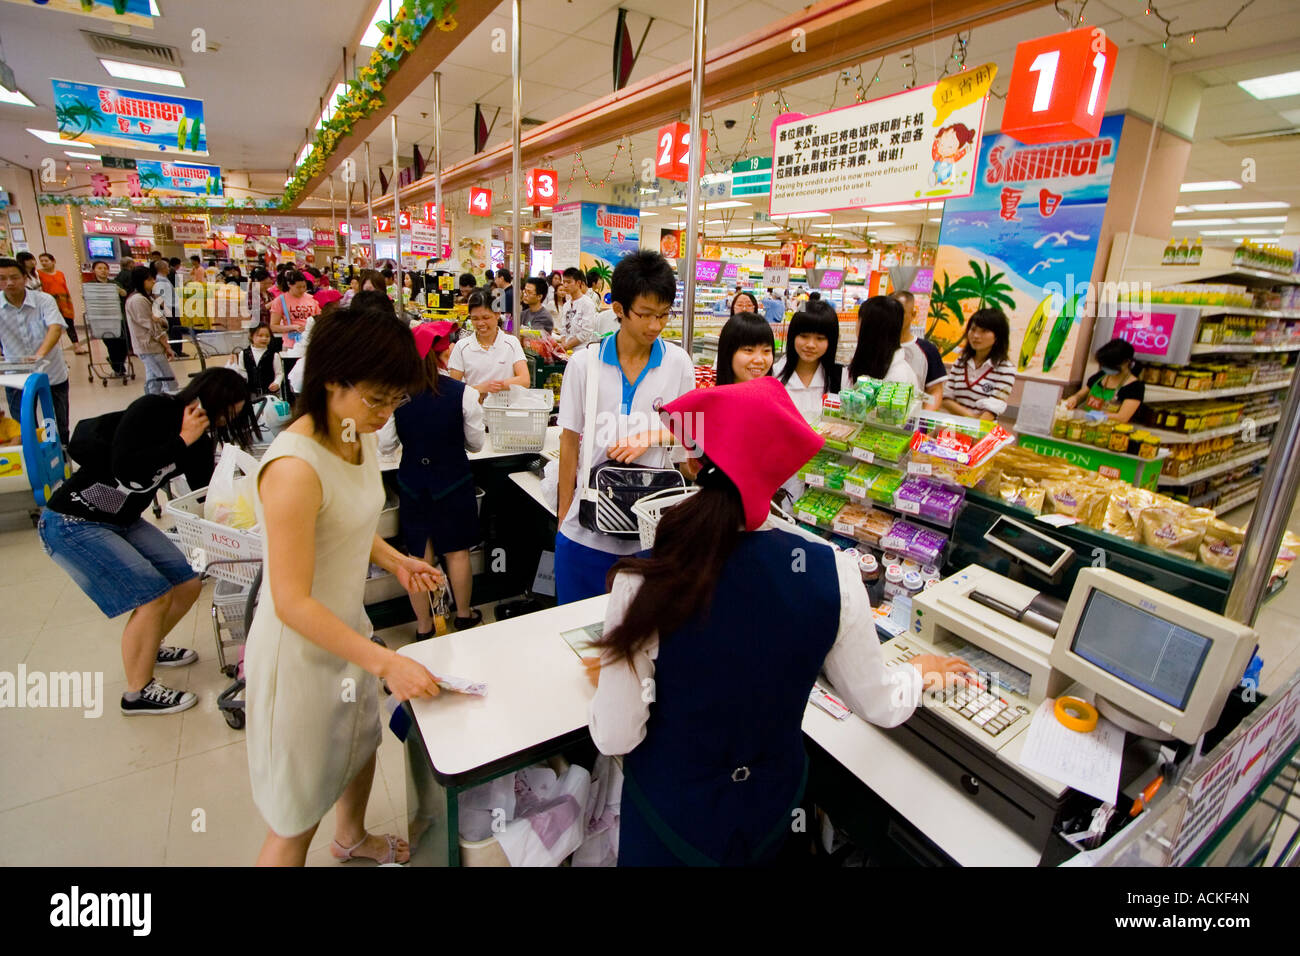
(942, 788)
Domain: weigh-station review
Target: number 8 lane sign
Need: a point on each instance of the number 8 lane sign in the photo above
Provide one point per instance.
(1059, 86)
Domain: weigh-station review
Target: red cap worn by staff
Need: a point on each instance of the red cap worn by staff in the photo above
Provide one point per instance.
(752, 432)
(432, 335)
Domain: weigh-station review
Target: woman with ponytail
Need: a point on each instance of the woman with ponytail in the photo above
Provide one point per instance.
(728, 620)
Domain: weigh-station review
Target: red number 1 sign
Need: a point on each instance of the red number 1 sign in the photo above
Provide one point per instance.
(480, 201)
(1059, 86)
(673, 151)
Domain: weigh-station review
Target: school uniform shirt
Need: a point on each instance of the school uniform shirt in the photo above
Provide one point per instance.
(623, 409)
(471, 412)
(493, 364)
(926, 362)
(23, 328)
(618, 713)
(900, 370)
(984, 388)
(806, 398)
(580, 320)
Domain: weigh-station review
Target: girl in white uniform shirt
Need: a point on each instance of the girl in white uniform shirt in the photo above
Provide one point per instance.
(879, 353)
(491, 360)
(980, 383)
(808, 369)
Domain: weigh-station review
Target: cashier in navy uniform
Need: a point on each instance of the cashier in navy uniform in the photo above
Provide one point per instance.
(1115, 389)
(713, 640)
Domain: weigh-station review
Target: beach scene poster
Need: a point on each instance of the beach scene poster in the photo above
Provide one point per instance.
(1025, 242)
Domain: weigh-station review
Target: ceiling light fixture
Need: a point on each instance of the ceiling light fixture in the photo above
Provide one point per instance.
(1258, 219)
(373, 35)
(1241, 232)
(142, 74)
(53, 138)
(1203, 222)
(1209, 186)
(725, 204)
(1229, 206)
(68, 152)
(15, 97)
(1272, 87)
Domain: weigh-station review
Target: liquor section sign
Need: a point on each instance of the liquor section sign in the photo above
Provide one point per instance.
(129, 119)
(919, 144)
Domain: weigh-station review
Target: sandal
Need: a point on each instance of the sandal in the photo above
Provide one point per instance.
(346, 853)
(474, 620)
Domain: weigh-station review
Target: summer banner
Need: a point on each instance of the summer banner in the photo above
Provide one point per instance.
(1025, 242)
(917, 144)
(608, 234)
(129, 119)
(178, 179)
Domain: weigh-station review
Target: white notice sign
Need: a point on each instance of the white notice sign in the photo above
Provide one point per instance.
(897, 149)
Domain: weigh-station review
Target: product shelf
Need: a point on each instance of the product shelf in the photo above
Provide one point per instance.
(1199, 349)
(1161, 393)
(1195, 476)
(1227, 492)
(1210, 311)
(1236, 501)
(1177, 438)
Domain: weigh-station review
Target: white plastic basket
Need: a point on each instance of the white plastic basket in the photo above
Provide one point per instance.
(205, 542)
(518, 429)
(222, 343)
(649, 509)
(229, 600)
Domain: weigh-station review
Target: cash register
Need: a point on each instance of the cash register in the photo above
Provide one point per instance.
(1158, 666)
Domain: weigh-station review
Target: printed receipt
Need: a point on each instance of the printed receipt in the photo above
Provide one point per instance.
(1089, 762)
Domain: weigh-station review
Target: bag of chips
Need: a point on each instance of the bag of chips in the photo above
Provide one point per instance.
(1178, 530)
(1221, 545)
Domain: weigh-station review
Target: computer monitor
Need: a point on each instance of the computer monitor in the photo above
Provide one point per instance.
(1157, 658)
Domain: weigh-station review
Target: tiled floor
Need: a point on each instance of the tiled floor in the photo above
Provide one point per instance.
(174, 790)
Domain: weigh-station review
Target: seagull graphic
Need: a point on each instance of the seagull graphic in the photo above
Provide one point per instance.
(1060, 238)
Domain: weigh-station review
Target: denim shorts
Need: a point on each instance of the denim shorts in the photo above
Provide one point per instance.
(118, 568)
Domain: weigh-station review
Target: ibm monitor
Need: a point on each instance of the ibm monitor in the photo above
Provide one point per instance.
(1160, 666)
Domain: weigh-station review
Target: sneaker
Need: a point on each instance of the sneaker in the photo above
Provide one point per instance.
(157, 699)
(175, 656)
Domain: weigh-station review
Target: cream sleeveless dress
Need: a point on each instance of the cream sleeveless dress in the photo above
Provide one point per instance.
(313, 717)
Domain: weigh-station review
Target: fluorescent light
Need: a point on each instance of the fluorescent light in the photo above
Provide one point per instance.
(645, 214)
(142, 74)
(1241, 232)
(900, 207)
(753, 230)
(869, 225)
(52, 137)
(1181, 209)
(1271, 87)
(802, 215)
(1228, 206)
(1209, 186)
(68, 152)
(644, 190)
(1203, 222)
(302, 157)
(15, 97)
(372, 36)
(1263, 219)
(724, 204)
(936, 219)
(331, 105)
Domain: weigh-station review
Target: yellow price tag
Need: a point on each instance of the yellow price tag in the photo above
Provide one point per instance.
(954, 92)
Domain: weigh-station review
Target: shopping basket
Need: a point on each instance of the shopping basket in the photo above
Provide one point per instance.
(649, 509)
(517, 419)
(206, 543)
(228, 602)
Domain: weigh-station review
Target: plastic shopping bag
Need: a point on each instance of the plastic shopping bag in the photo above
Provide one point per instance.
(230, 494)
(275, 413)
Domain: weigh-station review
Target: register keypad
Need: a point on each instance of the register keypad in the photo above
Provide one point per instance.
(988, 711)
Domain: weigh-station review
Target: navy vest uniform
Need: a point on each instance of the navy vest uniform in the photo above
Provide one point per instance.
(723, 766)
(434, 480)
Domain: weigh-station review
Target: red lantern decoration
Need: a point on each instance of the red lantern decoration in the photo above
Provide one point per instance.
(1059, 85)
(673, 151)
(543, 187)
(480, 201)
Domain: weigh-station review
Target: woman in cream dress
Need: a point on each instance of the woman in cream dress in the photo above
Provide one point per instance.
(313, 675)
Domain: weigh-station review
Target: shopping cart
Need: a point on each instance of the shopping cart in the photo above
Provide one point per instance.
(104, 323)
(233, 607)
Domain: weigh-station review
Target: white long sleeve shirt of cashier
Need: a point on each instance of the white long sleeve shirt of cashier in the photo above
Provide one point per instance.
(883, 696)
(475, 432)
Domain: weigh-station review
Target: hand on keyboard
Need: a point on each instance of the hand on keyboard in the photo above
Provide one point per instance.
(939, 672)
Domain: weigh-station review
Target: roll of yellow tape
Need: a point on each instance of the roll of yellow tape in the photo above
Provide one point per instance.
(1078, 715)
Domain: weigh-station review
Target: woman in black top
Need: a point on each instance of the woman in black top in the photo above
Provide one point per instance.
(1115, 389)
(93, 530)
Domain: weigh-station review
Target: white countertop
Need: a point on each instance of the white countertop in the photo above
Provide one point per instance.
(532, 486)
(551, 443)
(931, 804)
(537, 688)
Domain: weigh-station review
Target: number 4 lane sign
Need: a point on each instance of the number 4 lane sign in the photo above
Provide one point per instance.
(480, 201)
